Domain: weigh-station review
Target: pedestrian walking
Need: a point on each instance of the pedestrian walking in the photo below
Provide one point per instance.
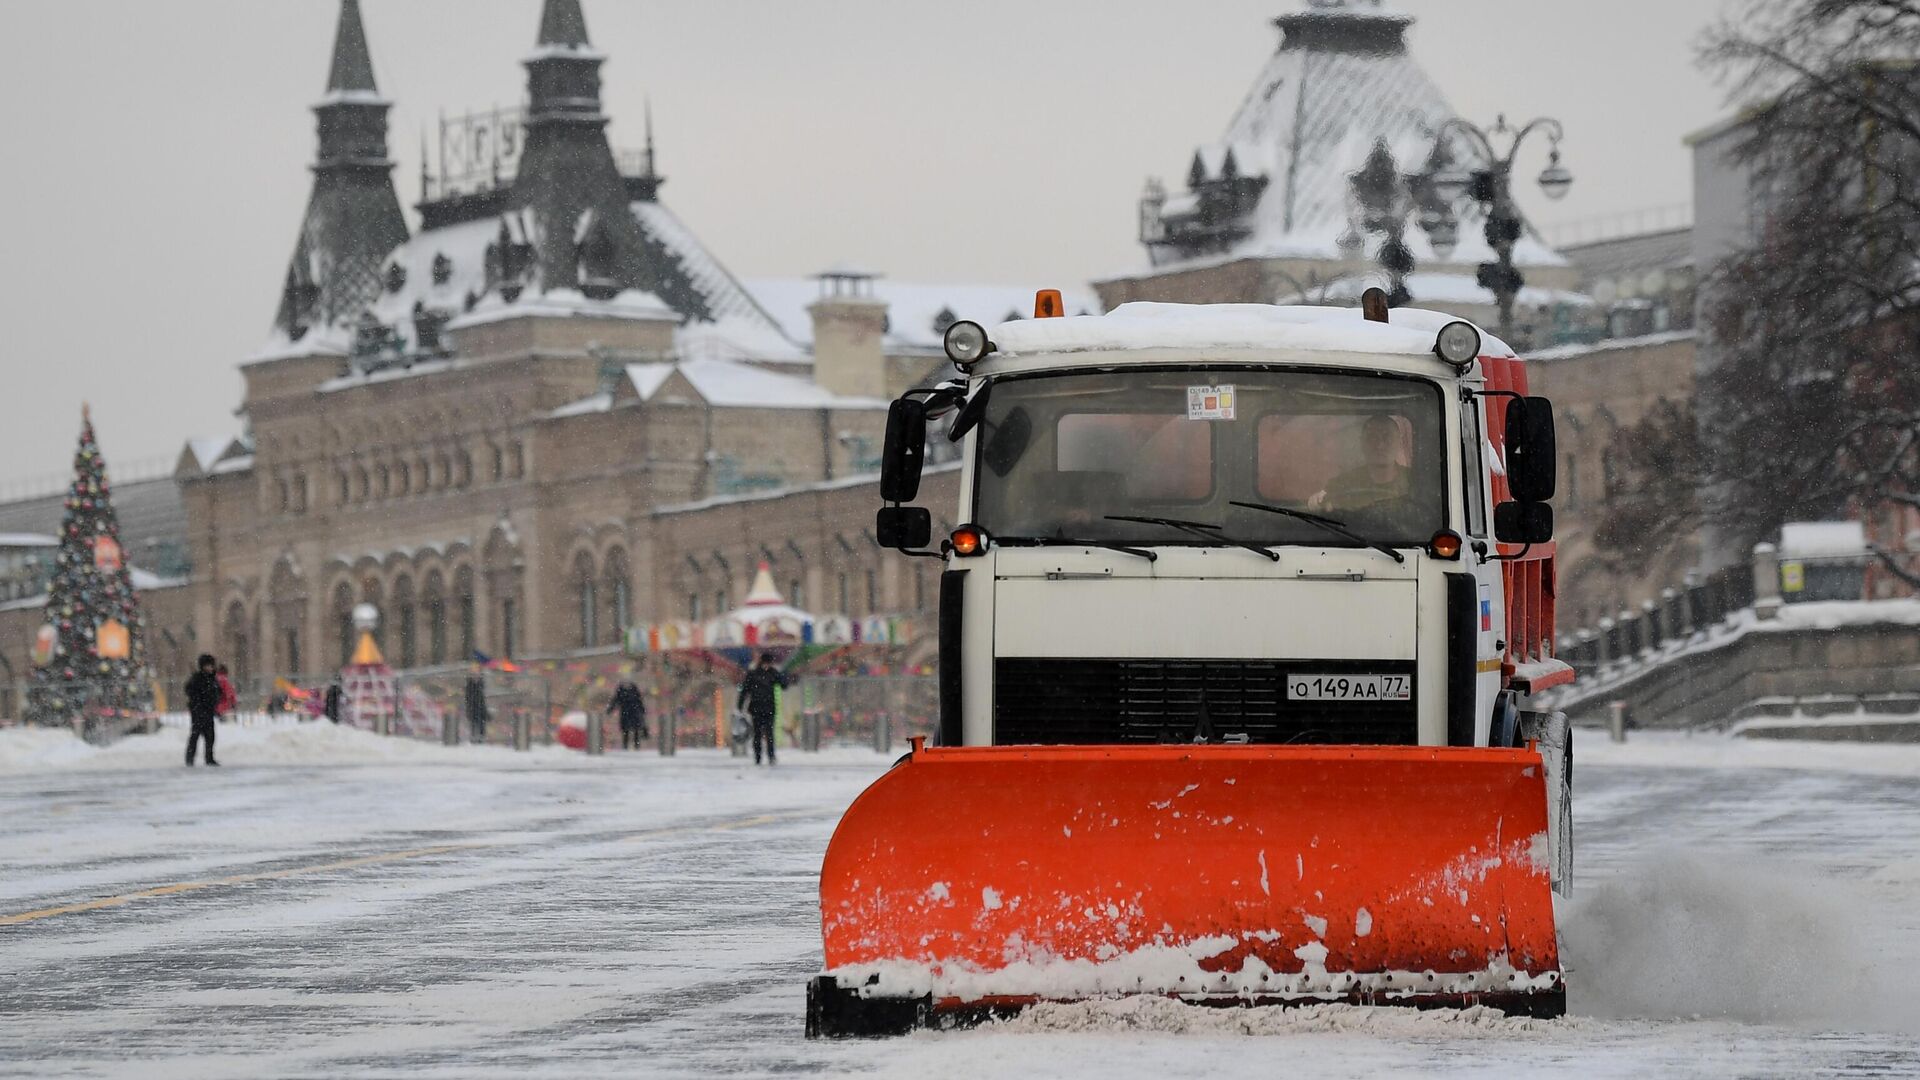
(758, 695)
(203, 704)
(633, 714)
(334, 702)
(477, 715)
(229, 697)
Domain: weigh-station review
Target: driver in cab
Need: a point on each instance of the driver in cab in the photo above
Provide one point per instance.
(1380, 479)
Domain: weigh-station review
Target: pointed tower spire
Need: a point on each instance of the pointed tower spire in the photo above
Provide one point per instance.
(353, 216)
(563, 73)
(352, 70)
(563, 23)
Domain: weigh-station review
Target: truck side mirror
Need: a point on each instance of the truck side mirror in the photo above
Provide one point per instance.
(1523, 523)
(1531, 452)
(904, 451)
(903, 527)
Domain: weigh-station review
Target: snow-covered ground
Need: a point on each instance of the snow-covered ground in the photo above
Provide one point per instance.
(334, 904)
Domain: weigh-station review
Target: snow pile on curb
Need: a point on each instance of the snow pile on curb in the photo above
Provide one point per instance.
(35, 749)
(1685, 750)
(27, 750)
(1167, 1016)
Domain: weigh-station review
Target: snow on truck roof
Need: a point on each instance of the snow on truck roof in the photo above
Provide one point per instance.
(1408, 331)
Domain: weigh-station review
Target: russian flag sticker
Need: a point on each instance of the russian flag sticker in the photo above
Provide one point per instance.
(1486, 607)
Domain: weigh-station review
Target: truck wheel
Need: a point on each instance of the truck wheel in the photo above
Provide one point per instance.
(1505, 730)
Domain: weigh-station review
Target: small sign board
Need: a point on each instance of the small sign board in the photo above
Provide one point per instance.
(1793, 576)
(1210, 402)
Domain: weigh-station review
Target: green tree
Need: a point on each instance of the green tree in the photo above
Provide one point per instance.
(89, 656)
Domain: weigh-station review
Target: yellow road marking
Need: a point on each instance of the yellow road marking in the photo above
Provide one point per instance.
(738, 823)
(181, 887)
(235, 879)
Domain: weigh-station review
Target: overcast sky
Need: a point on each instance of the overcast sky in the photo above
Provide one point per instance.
(157, 149)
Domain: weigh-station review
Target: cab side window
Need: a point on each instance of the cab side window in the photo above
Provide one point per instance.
(1473, 467)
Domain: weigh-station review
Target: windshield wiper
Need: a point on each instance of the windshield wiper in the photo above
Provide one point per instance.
(1063, 541)
(1326, 523)
(1197, 528)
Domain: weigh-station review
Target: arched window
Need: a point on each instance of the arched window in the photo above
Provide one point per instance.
(873, 592)
(586, 591)
(404, 619)
(236, 641)
(517, 460)
(619, 587)
(796, 594)
(499, 464)
(469, 612)
(343, 619)
(346, 487)
(846, 602)
(442, 471)
(286, 496)
(360, 483)
(383, 480)
(466, 470)
(402, 478)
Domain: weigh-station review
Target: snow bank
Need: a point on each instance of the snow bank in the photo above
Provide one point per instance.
(1703, 750)
(26, 750)
(1167, 1016)
(1761, 941)
(32, 750)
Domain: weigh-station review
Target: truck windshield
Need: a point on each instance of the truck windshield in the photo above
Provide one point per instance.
(1060, 454)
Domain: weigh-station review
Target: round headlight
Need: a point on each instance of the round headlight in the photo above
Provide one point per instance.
(966, 343)
(1458, 344)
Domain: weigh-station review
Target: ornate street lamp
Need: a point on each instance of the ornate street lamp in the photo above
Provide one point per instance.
(1486, 183)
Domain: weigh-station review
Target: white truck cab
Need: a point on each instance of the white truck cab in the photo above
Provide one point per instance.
(1235, 524)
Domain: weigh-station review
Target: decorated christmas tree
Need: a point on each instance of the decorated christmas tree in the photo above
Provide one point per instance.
(88, 660)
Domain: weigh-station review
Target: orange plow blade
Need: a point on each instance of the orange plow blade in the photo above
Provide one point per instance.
(970, 882)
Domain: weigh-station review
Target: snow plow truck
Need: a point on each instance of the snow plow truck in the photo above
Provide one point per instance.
(1236, 641)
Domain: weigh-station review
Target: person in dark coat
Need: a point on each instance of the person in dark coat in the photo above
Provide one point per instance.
(477, 715)
(758, 697)
(633, 714)
(203, 704)
(335, 701)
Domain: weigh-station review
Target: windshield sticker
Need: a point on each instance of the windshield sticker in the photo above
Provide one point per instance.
(1209, 402)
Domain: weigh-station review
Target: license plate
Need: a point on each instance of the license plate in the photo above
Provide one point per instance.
(1349, 687)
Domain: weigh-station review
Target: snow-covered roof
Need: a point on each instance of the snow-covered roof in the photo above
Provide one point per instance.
(208, 449)
(1438, 288)
(732, 384)
(1644, 341)
(740, 328)
(564, 303)
(596, 403)
(1409, 331)
(726, 300)
(142, 580)
(911, 307)
(1308, 124)
(737, 337)
(387, 374)
(1822, 539)
(27, 540)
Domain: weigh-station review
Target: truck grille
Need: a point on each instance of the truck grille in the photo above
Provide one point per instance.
(1092, 702)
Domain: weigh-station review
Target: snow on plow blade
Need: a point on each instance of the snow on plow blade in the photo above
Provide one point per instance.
(967, 883)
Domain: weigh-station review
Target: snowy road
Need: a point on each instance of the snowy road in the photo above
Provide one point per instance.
(331, 905)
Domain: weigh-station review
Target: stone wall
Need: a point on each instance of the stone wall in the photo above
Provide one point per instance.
(1598, 391)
